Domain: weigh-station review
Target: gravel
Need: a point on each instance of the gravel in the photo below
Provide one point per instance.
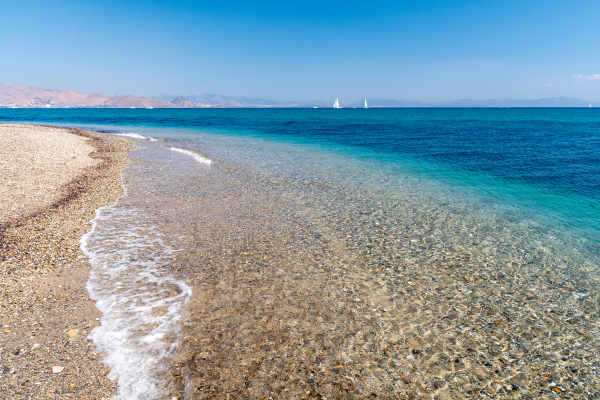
(52, 181)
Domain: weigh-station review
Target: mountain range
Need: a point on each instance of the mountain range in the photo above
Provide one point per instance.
(18, 95)
(215, 100)
(33, 96)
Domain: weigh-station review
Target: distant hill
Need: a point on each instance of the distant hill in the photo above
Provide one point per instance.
(217, 100)
(33, 96)
(137, 102)
(182, 102)
(226, 101)
(94, 99)
(21, 94)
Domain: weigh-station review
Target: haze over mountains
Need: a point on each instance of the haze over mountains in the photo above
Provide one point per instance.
(217, 100)
(34, 97)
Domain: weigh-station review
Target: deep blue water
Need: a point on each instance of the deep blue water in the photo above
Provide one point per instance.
(552, 156)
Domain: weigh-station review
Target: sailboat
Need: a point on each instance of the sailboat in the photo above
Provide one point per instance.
(336, 104)
(366, 106)
(590, 105)
(314, 105)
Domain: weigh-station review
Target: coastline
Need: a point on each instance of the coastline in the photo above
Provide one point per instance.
(46, 310)
(309, 289)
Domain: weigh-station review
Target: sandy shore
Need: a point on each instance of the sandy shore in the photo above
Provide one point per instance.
(52, 181)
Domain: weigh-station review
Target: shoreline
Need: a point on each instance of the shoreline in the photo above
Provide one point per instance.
(45, 309)
(303, 291)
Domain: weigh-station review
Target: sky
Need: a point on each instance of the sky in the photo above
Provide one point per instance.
(423, 50)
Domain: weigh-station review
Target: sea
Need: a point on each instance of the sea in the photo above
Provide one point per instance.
(347, 253)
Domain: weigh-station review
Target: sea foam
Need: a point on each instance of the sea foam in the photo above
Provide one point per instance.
(141, 302)
(137, 136)
(197, 157)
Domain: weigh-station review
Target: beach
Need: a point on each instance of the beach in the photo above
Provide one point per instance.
(53, 180)
(262, 265)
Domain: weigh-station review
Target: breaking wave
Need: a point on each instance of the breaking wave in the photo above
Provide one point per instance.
(137, 136)
(141, 302)
(196, 156)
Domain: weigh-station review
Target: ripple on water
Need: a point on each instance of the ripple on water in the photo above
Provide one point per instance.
(347, 283)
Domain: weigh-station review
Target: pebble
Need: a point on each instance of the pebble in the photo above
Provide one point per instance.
(276, 310)
(40, 259)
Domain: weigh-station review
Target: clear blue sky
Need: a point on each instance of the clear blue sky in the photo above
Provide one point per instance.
(410, 50)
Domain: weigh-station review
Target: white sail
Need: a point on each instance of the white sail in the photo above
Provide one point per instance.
(336, 104)
(366, 106)
(590, 105)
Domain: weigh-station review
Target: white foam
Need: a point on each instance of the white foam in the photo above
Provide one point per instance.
(137, 136)
(141, 302)
(197, 156)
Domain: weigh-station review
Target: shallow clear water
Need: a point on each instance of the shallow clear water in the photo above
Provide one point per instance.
(465, 230)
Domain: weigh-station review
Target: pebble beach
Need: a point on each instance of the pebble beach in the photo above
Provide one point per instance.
(52, 181)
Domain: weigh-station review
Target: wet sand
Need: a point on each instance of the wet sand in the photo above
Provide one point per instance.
(53, 180)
